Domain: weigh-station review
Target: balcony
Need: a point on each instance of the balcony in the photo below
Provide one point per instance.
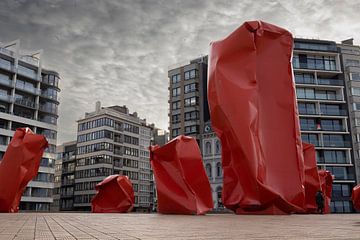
(309, 66)
(27, 89)
(337, 144)
(25, 103)
(68, 182)
(48, 109)
(6, 82)
(6, 98)
(323, 128)
(6, 51)
(319, 81)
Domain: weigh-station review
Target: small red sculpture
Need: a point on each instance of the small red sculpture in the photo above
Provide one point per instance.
(326, 181)
(355, 197)
(115, 194)
(19, 165)
(253, 110)
(181, 182)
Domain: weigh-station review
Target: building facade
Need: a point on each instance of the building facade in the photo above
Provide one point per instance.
(211, 152)
(64, 183)
(29, 98)
(324, 115)
(188, 99)
(327, 79)
(111, 140)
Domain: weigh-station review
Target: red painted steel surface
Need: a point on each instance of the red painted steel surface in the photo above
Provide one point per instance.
(312, 181)
(181, 182)
(19, 165)
(253, 108)
(355, 197)
(115, 194)
(326, 181)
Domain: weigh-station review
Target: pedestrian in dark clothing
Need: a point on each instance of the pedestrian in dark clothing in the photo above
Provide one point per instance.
(320, 201)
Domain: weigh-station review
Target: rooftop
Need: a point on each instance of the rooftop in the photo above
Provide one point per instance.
(157, 226)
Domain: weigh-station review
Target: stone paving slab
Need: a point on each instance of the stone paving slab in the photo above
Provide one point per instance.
(64, 226)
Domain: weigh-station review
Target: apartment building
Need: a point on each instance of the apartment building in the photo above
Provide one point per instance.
(188, 98)
(111, 140)
(29, 98)
(327, 78)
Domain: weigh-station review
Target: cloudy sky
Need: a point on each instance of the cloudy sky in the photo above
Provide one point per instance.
(118, 52)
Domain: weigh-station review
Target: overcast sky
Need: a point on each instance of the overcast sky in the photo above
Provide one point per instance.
(118, 52)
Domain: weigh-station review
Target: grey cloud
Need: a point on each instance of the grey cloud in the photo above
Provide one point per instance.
(118, 52)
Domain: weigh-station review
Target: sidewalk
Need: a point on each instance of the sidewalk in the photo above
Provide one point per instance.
(156, 226)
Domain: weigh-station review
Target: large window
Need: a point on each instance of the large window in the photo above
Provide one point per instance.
(176, 92)
(355, 91)
(332, 156)
(175, 132)
(193, 101)
(304, 78)
(307, 108)
(314, 62)
(352, 63)
(310, 138)
(194, 115)
(175, 78)
(332, 125)
(191, 74)
(190, 88)
(175, 118)
(176, 105)
(355, 76)
(191, 129)
(342, 173)
(335, 140)
(308, 124)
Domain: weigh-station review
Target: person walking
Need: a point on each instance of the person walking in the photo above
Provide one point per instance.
(320, 201)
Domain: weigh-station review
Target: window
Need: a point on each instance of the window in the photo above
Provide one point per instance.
(304, 78)
(357, 122)
(175, 78)
(190, 88)
(341, 173)
(332, 156)
(218, 169)
(194, 115)
(217, 147)
(176, 105)
(355, 91)
(208, 148)
(335, 140)
(332, 125)
(175, 118)
(208, 170)
(176, 92)
(191, 74)
(356, 106)
(191, 101)
(305, 93)
(306, 108)
(355, 76)
(310, 138)
(175, 132)
(191, 129)
(308, 124)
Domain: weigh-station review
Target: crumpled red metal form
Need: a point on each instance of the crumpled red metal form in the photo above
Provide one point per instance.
(115, 194)
(253, 108)
(19, 165)
(181, 182)
(312, 180)
(355, 197)
(326, 181)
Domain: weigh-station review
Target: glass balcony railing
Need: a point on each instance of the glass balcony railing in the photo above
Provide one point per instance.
(325, 81)
(323, 128)
(25, 103)
(327, 143)
(28, 89)
(48, 109)
(322, 97)
(6, 81)
(6, 97)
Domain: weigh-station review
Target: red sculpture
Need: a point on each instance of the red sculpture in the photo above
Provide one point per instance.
(181, 182)
(19, 165)
(355, 197)
(312, 180)
(253, 108)
(115, 194)
(326, 180)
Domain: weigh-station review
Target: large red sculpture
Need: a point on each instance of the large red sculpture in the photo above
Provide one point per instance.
(355, 197)
(253, 108)
(326, 181)
(312, 180)
(19, 165)
(181, 182)
(115, 195)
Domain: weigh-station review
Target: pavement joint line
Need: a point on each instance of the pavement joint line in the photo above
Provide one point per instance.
(77, 228)
(99, 231)
(20, 228)
(49, 227)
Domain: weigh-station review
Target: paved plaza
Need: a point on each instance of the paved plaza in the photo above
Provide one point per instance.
(156, 226)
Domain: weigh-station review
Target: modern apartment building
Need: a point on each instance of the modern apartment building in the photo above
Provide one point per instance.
(188, 98)
(324, 116)
(327, 77)
(350, 59)
(111, 140)
(28, 98)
